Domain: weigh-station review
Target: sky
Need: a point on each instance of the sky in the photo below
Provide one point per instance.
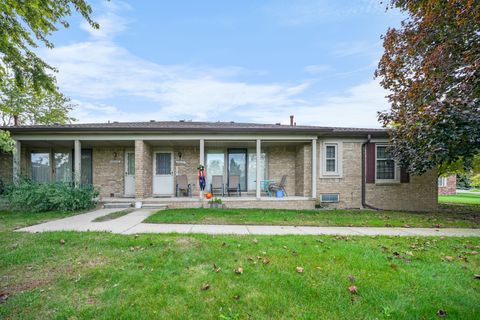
(242, 61)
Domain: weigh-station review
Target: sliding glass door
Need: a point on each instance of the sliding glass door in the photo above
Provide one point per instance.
(237, 166)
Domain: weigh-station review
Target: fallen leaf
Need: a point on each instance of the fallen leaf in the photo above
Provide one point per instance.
(135, 248)
(236, 297)
(353, 289)
(255, 241)
(62, 241)
(441, 313)
(438, 226)
(409, 253)
(476, 276)
(299, 269)
(351, 278)
(448, 258)
(407, 226)
(205, 286)
(266, 260)
(393, 266)
(216, 269)
(239, 270)
(473, 253)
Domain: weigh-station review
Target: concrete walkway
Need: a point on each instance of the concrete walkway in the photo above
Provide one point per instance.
(132, 224)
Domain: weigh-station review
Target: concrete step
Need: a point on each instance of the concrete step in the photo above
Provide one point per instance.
(112, 205)
(158, 206)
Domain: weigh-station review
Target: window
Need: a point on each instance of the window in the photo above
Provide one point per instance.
(442, 181)
(330, 165)
(40, 166)
(329, 197)
(385, 168)
(163, 163)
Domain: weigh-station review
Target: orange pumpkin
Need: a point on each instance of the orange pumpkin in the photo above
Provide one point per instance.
(208, 195)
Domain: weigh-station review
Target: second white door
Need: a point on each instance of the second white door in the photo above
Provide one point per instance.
(163, 173)
(129, 173)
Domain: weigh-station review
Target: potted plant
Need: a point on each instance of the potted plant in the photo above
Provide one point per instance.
(216, 203)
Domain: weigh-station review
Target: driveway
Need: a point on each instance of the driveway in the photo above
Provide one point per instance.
(132, 223)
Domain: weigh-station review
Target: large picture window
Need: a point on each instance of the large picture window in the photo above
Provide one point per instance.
(385, 166)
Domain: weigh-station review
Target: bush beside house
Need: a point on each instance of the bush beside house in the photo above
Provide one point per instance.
(41, 197)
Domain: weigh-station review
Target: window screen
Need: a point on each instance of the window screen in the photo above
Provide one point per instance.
(163, 163)
(329, 197)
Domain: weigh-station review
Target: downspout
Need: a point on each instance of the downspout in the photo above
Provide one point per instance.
(364, 203)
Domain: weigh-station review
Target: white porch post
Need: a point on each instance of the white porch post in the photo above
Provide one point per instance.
(314, 168)
(259, 156)
(77, 149)
(202, 160)
(16, 162)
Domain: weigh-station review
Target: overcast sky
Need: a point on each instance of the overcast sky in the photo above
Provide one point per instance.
(243, 61)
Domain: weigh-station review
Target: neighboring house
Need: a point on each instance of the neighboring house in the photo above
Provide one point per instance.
(447, 185)
(138, 161)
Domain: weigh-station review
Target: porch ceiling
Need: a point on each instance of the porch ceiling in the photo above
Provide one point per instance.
(70, 143)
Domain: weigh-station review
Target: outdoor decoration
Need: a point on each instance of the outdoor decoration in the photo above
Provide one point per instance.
(201, 177)
(208, 195)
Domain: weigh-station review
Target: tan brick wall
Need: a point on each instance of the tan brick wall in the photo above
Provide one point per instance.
(349, 185)
(303, 171)
(143, 169)
(108, 171)
(417, 195)
(6, 167)
(191, 156)
(281, 160)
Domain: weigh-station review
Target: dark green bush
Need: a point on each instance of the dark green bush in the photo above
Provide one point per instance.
(41, 197)
(2, 187)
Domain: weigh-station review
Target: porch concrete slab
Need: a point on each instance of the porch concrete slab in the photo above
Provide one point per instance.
(159, 228)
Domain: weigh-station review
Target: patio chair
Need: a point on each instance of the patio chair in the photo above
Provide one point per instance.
(234, 185)
(274, 187)
(217, 185)
(183, 186)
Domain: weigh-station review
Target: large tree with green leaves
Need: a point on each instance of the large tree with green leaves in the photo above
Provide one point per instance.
(28, 91)
(26, 24)
(431, 66)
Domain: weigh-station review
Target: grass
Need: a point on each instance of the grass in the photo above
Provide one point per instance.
(106, 276)
(460, 198)
(447, 216)
(113, 215)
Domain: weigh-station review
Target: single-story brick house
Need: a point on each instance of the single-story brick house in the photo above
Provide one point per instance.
(447, 185)
(139, 161)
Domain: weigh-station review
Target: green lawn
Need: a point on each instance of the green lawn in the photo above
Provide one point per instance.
(447, 216)
(106, 276)
(461, 198)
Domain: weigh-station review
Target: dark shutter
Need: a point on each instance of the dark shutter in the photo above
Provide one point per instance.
(370, 174)
(404, 176)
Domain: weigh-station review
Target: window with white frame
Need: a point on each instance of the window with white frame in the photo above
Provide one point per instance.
(385, 166)
(331, 158)
(442, 181)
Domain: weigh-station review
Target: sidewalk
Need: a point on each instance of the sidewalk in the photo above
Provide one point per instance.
(132, 223)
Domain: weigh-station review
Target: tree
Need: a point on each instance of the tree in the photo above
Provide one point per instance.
(30, 106)
(23, 25)
(431, 66)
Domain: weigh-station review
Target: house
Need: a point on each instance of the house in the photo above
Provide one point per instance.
(139, 161)
(447, 185)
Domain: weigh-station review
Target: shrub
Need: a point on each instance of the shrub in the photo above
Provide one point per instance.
(2, 187)
(41, 197)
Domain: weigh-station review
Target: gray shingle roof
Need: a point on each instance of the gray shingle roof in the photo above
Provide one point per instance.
(189, 126)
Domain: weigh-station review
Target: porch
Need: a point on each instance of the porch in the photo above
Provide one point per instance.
(130, 169)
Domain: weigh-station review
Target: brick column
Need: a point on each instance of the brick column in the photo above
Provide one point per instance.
(259, 158)
(143, 170)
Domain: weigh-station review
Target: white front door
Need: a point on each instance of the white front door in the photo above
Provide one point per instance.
(129, 173)
(163, 173)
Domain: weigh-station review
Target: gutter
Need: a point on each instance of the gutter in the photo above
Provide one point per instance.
(364, 202)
